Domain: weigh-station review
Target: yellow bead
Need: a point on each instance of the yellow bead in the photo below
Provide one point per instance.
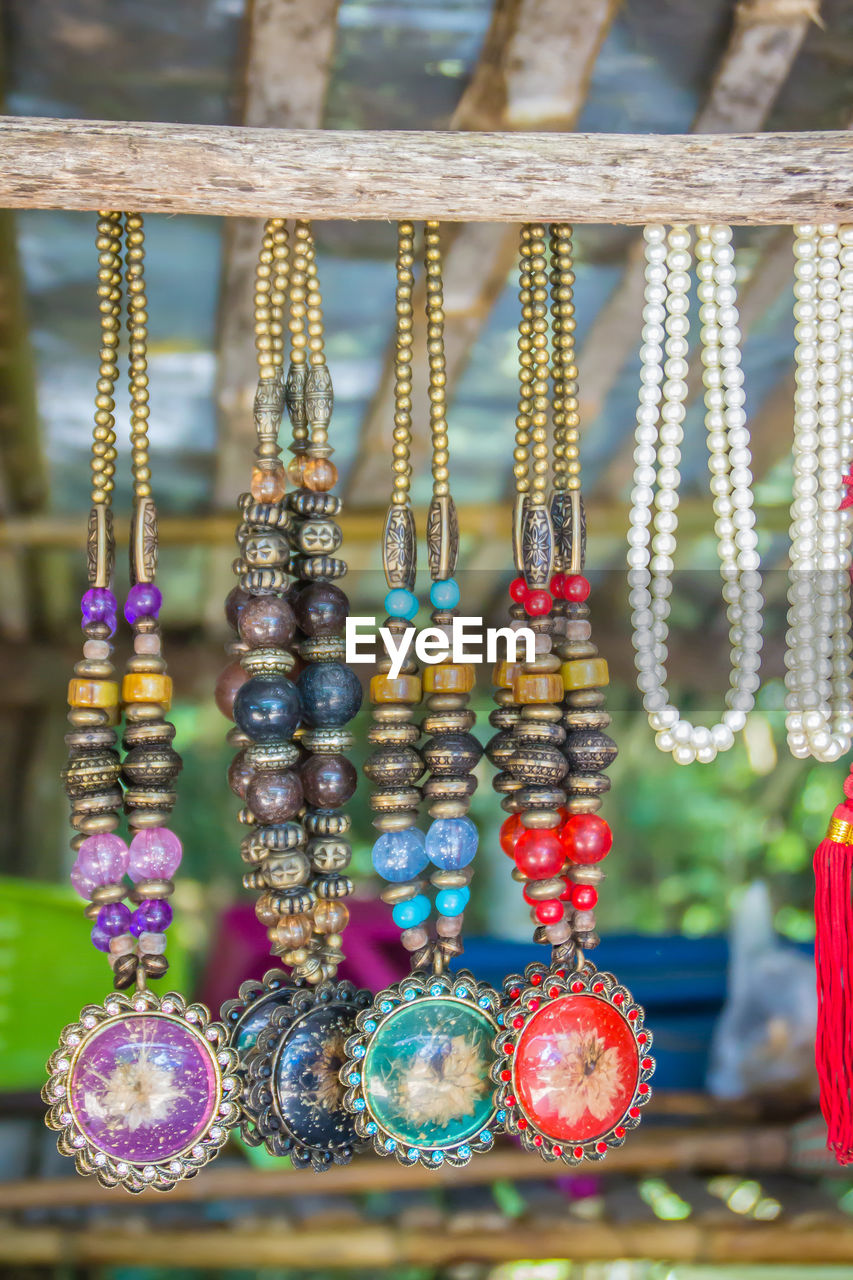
(449, 677)
(395, 689)
(504, 673)
(147, 686)
(537, 686)
(102, 694)
(585, 673)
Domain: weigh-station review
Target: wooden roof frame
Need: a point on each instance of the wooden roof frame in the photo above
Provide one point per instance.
(754, 179)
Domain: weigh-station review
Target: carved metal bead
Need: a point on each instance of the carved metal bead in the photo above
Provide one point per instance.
(327, 824)
(547, 733)
(505, 717)
(537, 545)
(91, 772)
(264, 840)
(327, 741)
(94, 739)
(504, 783)
(319, 395)
(586, 784)
(589, 752)
(394, 766)
(540, 797)
(333, 886)
(392, 801)
(267, 661)
(329, 855)
(265, 550)
(320, 567)
(259, 582)
(294, 394)
(149, 800)
(585, 719)
(305, 503)
(452, 754)
(100, 803)
(291, 902)
(391, 733)
(537, 765)
(501, 748)
(450, 788)
(265, 515)
(399, 547)
(285, 870)
(442, 536)
(318, 536)
(460, 721)
(150, 765)
(272, 756)
(323, 649)
(124, 971)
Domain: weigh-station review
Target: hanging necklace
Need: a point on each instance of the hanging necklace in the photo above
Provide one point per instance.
(418, 1067)
(818, 666)
(573, 1065)
(290, 1031)
(141, 1088)
(659, 434)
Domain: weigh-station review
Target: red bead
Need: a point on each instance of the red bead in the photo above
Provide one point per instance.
(557, 1149)
(558, 586)
(566, 895)
(522, 1124)
(584, 897)
(537, 1140)
(619, 1131)
(518, 590)
(535, 979)
(538, 603)
(578, 1153)
(550, 912)
(511, 831)
(601, 1147)
(539, 854)
(506, 1075)
(586, 838)
(576, 587)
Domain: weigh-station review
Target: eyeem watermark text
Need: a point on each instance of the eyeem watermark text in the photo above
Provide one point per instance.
(468, 641)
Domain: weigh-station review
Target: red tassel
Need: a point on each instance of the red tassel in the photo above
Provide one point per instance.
(833, 869)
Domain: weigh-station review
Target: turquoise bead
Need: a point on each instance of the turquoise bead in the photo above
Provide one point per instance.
(444, 595)
(401, 603)
(452, 902)
(407, 915)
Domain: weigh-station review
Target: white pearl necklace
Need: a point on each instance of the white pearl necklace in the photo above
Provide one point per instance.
(660, 418)
(818, 699)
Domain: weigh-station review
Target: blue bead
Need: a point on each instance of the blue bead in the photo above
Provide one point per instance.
(330, 693)
(400, 855)
(451, 843)
(407, 915)
(401, 603)
(444, 595)
(452, 902)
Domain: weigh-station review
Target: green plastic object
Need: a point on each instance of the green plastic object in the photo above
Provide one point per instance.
(48, 971)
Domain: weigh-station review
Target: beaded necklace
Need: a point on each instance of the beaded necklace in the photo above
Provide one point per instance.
(142, 1088)
(418, 1067)
(291, 770)
(572, 1064)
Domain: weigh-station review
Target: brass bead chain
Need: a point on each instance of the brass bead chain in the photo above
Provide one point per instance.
(271, 280)
(531, 424)
(306, 325)
(567, 465)
(437, 364)
(402, 466)
(108, 244)
(137, 329)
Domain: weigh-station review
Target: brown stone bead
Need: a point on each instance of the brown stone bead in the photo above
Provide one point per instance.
(328, 781)
(231, 678)
(449, 677)
(535, 687)
(294, 931)
(240, 774)
(321, 609)
(406, 689)
(330, 917)
(274, 797)
(235, 603)
(319, 475)
(269, 484)
(265, 621)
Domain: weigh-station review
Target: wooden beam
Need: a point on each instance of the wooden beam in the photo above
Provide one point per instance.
(724, 1148)
(289, 49)
(533, 72)
(760, 179)
(765, 39)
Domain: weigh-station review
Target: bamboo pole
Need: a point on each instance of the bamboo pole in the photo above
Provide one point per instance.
(750, 1148)
(623, 178)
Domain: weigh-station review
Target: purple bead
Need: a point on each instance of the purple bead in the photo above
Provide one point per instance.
(155, 854)
(143, 601)
(100, 939)
(98, 605)
(113, 919)
(154, 915)
(101, 859)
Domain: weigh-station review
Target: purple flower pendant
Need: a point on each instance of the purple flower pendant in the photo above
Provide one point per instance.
(142, 1090)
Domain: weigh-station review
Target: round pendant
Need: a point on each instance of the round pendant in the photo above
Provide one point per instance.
(418, 1071)
(142, 1090)
(245, 1017)
(294, 1095)
(574, 1062)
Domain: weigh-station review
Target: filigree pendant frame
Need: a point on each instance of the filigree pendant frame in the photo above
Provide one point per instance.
(418, 1070)
(142, 1090)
